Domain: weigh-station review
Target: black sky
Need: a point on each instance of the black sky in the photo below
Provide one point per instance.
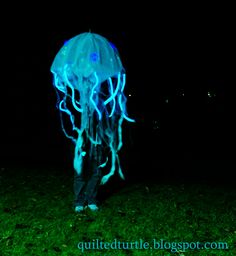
(165, 56)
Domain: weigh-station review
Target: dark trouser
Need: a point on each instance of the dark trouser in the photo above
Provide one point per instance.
(86, 184)
(85, 190)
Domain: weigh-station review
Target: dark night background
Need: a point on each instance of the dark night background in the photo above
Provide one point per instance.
(180, 75)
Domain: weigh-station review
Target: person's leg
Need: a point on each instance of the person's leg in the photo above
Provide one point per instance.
(94, 177)
(92, 187)
(79, 190)
(80, 186)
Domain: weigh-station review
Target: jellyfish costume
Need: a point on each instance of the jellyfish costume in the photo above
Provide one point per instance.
(88, 75)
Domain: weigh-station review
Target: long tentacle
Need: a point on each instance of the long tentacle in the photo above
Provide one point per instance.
(120, 143)
(113, 99)
(106, 177)
(113, 95)
(79, 154)
(57, 83)
(91, 96)
(122, 101)
(72, 89)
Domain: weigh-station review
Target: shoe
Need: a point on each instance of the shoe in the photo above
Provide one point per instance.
(93, 207)
(79, 208)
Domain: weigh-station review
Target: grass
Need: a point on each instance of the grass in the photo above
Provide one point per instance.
(37, 217)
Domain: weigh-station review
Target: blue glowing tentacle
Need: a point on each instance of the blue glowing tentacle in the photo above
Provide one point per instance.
(113, 108)
(111, 90)
(58, 97)
(104, 164)
(91, 97)
(113, 99)
(62, 125)
(123, 82)
(73, 91)
(61, 88)
(119, 146)
(122, 109)
(79, 154)
(66, 110)
(113, 95)
(77, 102)
(106, 177)
(120, 133)
(121, 104)
(95, 142)
(120, 170)
(64, 130)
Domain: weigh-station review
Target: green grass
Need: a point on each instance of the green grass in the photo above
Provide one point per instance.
(37, 217)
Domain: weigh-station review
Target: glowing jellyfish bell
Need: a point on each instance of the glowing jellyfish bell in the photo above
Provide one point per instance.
(89, 74)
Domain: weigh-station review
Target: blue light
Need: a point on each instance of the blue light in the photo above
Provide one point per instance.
(94, 57)
(79, 71)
